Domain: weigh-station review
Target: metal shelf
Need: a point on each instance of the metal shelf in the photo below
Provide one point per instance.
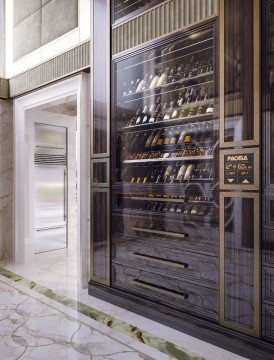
(170, 122)
(185, 158)
(172, 52)
(147, 198)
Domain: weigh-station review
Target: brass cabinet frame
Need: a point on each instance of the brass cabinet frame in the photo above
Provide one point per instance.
(100, 161)
(256, 74)
(256, 185)
(256, 197)
(92, 276)
(104, 156)
(108, 85)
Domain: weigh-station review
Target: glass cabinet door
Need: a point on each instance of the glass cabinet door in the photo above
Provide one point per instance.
(240, 73)
(166, 161)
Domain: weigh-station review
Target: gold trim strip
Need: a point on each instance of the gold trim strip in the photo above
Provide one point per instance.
(256, 330)
(256, 74)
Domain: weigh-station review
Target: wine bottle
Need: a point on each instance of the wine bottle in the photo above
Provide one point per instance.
(168, 173)
(146, 116)
(154, 81)
(172, 74)
(168, 136)
(190, 97)
(149, 140)
(153, 176)
(131, 87)
(181, 173)
(161, 139)
(174, 173)
(138, 117)
(163, 78)
(142, 85)
(147, 176)
(125, 90)
(189, 172)
(181, 97)
(169, 112)
(154, 115)
(161, 113)
(176, 111)
(175, 136)
(160, 175)
(181, 137)
(156, 138)
(210, 108)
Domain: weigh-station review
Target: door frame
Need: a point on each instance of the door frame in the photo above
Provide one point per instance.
(78, 85)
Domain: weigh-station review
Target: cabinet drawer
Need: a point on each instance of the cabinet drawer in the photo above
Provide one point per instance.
(181, 264)
(174, 235)
(268, 284)
(164, 290)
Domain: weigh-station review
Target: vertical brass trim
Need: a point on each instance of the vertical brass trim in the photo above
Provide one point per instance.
(256, 71)
(256, 79)
(222, 71)
(92, 276)
(256, 330)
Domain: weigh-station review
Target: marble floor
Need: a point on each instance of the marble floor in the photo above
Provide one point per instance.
(43, 312)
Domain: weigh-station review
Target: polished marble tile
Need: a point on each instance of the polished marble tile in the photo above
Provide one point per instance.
(116, 322)
(31, 329)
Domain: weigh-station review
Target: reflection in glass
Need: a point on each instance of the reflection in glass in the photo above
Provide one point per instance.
(239, 261)
(100, 234)
(238, 77)
(100, 79)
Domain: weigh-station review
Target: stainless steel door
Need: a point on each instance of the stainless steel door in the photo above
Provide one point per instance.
(50, 188)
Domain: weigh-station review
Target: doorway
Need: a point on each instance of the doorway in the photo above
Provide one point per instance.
(51, 201)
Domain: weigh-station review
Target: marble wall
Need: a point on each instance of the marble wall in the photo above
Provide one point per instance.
(47, 19)
(6, 181)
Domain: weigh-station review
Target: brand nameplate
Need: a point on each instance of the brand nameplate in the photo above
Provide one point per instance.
(239, 169)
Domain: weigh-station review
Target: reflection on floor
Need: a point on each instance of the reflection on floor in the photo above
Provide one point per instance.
(31, 329)
(51, 280)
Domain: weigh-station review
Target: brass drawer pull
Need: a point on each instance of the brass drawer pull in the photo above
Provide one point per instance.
(160, 260)
(160, 289)
(158, 232)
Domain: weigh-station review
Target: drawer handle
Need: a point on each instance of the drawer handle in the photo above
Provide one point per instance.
(160, 289)
(152, 231)
(160, 261)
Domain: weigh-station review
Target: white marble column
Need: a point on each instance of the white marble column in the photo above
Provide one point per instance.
(6, 181)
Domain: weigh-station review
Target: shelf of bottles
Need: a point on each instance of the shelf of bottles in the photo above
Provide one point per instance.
(166, 128)
(123, 8)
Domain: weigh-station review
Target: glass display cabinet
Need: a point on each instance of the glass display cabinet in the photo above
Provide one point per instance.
(165, 173)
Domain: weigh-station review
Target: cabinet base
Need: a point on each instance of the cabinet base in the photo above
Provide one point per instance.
(212, 333)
